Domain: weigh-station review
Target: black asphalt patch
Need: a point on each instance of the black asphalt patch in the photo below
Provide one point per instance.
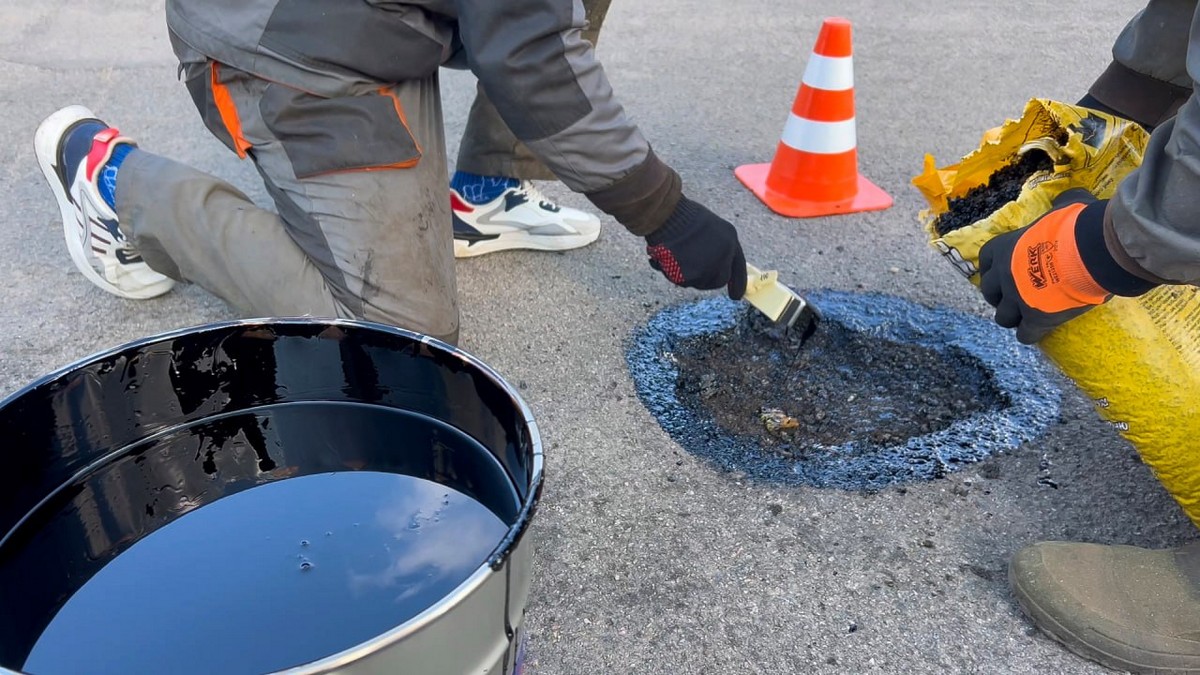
(1024, 399)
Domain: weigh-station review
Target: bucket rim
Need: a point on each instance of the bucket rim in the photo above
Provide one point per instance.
(495, 561)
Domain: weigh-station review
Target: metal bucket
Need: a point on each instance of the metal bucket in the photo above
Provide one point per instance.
(106, 452)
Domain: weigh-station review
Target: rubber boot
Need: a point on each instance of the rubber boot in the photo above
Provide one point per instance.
(1127, 608)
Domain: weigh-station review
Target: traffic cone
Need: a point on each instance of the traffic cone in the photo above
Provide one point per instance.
(815, 169)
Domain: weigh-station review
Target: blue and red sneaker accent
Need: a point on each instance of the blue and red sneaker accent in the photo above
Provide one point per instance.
(73, 148)
(520, 217)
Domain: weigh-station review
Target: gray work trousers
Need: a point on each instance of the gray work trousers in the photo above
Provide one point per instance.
(362, 228)
(489, 148)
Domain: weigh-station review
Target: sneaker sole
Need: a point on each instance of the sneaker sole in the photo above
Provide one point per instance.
(523, 240)
(45, 145)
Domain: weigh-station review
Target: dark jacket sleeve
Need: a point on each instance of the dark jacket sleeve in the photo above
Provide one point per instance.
(547, 85)
(1153, 221)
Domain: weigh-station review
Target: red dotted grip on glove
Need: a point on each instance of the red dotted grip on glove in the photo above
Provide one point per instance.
(667, 264)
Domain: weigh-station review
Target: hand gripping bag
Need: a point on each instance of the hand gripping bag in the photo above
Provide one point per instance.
(1137, 358)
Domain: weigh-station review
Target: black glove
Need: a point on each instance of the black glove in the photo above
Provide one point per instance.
(697, 248)
(1054, 269)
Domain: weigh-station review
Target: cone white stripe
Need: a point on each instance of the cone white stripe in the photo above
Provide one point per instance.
(824, 138)
(832, 73)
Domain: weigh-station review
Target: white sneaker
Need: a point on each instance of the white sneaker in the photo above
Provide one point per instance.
(72, 146)
(522, 217)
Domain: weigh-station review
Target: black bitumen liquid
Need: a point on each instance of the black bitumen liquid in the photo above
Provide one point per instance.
(279, 574)
(275, 576)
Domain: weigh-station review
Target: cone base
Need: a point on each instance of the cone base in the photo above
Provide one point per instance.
(869, 196)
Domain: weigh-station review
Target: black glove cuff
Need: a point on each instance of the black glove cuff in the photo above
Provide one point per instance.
(1099, 262)
(680, 223)
(644, 198)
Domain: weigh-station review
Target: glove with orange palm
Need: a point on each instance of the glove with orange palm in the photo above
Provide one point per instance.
(1044, 274)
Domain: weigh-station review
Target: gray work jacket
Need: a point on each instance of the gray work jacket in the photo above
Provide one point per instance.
(1152, 224)
(529, 57)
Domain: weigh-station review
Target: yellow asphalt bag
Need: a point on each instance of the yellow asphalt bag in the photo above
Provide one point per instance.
(1137, 358)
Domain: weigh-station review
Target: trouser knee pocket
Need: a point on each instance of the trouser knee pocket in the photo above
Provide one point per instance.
(319, 134)
(349, 133)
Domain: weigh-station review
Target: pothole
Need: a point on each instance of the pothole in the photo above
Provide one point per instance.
(886, 391)
(841, 386)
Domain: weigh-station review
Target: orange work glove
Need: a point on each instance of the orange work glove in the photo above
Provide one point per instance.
(1044, 274)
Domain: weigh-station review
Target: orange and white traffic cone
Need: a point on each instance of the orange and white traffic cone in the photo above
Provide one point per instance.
(815, 169)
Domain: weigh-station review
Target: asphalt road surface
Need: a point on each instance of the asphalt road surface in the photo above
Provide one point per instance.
(649, 560)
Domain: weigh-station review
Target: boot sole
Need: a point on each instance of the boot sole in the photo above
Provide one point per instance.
(1112, 654)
